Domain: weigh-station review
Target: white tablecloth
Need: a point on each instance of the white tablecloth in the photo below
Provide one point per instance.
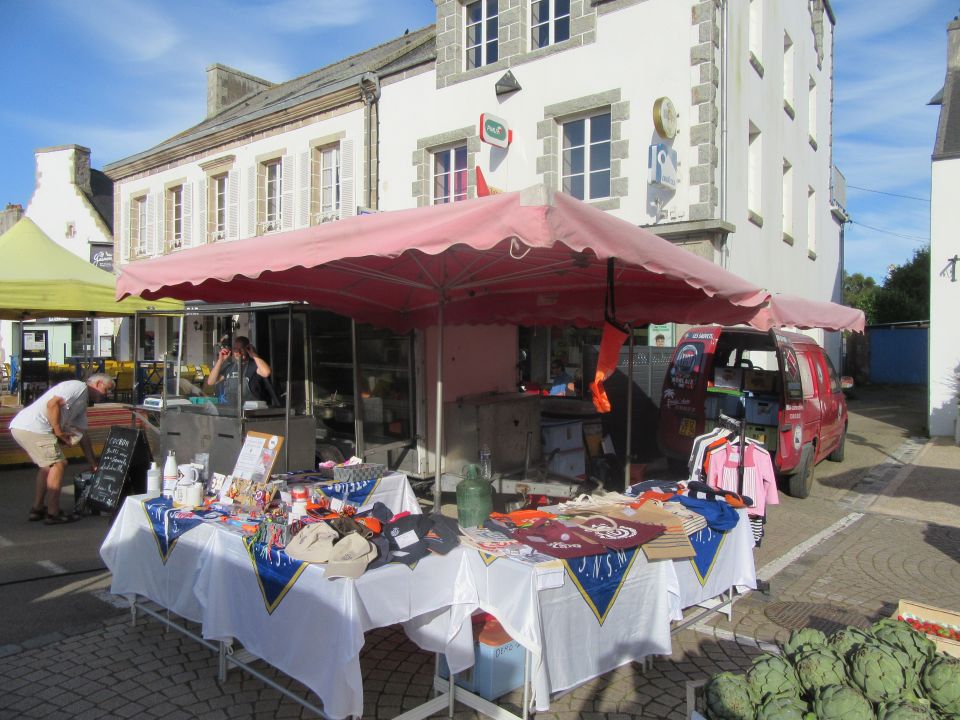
(712, 573)
(578, 622)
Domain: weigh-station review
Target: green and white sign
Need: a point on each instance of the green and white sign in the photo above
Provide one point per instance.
(494, 130)
(660, 335)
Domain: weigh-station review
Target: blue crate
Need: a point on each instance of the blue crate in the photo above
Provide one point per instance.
(497, 670)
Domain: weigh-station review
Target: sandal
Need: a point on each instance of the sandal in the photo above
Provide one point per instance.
(61, 519)
(37, 514)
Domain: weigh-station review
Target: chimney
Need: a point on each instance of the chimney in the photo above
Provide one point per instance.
(953, 45)
(65, 163)
(226, 85)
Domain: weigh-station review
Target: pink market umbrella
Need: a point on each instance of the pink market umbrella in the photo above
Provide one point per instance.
(798, 312)
(527, 257)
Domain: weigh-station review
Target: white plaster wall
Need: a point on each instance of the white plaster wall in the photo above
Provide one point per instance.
(293, 142)
(760, 253)
(644, 51)
(944, 357)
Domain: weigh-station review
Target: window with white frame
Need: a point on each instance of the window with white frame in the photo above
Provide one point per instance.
(326, 184)
(811, 221)
(812, 110)
(138, 225)
(755, 29)
(787, 200)
(754, 167)
(549, 22)
(173, 220)
(450, 174)
(271, 191)
(586, 157)
(789, 100)
(217, 219)
(482, 33)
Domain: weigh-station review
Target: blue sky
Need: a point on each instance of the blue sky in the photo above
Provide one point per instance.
(121, 75)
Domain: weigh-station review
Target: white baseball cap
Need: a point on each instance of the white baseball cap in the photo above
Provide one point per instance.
(350, 557)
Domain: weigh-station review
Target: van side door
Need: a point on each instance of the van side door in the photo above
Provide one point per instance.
(830, 408)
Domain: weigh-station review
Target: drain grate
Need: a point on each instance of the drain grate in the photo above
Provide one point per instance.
(822, 616)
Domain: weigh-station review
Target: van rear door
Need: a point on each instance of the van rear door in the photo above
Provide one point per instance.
(791, 418)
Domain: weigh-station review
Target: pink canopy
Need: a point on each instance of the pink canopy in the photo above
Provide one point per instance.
(528, 257)
(798, 312)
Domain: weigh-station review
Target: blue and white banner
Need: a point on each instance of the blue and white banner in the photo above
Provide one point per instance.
(352, 493)
(276, 571)
(706, 543)
(599, 578)
(168, 523)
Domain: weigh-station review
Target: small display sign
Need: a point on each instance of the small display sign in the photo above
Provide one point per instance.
(494, 130)
(101, 255)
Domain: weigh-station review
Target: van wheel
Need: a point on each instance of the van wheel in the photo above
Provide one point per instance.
(802, 480)
(838, 453)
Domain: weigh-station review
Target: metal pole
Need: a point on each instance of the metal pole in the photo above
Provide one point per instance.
(438, 431)
(19, 373)
(179, 356)
(628, 443)
(286, 419)
(357, 400)
(135, 392)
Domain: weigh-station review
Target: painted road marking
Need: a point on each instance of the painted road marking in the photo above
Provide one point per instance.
(51, 567)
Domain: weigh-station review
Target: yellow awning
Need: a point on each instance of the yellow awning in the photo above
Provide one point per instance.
(39, 278)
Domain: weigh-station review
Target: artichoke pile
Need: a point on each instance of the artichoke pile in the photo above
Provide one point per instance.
(889, 671)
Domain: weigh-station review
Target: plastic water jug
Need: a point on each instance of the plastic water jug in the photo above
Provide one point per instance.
(170, 475)
(154, 480)
(474, 498)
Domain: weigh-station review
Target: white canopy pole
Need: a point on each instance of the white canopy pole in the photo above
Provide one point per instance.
(439, 400)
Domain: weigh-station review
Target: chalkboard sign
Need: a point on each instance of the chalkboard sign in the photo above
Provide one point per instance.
(122, 469)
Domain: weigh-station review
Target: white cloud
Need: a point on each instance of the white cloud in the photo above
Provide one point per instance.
(131, 31)
(859, 20)
(306, 15)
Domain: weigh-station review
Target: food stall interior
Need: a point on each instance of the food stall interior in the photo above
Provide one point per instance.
(313, 373)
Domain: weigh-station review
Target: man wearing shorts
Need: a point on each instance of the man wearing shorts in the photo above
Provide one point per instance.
(58, 417)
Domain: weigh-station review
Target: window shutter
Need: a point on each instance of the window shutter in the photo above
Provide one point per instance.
(187, 218)
(202, 211)
(348, 205)
(303, 191)
(315, 190)
(153, 229)
(252, 192)
(233, 205)
(288, 172)
(126, 230)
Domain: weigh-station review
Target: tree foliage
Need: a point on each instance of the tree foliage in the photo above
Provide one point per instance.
(903, 297)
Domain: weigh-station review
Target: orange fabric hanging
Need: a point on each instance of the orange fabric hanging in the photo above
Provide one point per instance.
(610, 344)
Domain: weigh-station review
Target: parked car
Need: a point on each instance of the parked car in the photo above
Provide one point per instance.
(782, 384)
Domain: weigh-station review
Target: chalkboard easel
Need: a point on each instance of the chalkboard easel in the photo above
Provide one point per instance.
(122, 469)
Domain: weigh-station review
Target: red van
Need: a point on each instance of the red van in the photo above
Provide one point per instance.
(782, 384)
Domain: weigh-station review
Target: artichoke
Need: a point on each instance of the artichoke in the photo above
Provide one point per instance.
(819, 668)
(805, 639)
(842, 702)
(728, 697)
(941, 683)
(784, 708)
(843, 641)
(882, 673)
(915, 644)
(772, 676)
(904, 710)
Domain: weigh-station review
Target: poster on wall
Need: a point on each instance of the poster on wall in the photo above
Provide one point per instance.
(660, 335)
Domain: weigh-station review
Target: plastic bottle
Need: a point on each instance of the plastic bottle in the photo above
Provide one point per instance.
(170, 475)
(154, 480)
(486, 464)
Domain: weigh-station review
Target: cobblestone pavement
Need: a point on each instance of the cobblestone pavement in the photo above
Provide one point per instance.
(879, 533)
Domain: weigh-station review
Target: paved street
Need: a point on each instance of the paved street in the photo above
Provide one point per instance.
(881, 526)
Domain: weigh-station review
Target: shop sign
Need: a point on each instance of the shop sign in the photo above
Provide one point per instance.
(101, 255)
(662, 166)
(494, 130)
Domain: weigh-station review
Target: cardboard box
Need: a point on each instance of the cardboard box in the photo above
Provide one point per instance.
(569, 463)
(561, 435)
(497, 668)
(760, 381)
(908, 609)
(728, 377)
